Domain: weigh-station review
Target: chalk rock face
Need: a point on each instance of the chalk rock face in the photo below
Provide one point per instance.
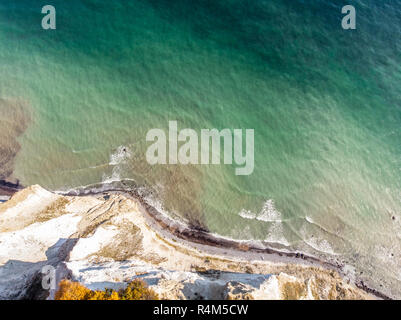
(238, 291)
(106, 241)
(286, 287)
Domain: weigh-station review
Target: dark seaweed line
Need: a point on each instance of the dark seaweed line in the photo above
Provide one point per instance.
(9, 188)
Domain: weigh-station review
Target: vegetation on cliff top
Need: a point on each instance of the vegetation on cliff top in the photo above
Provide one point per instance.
(136, 290)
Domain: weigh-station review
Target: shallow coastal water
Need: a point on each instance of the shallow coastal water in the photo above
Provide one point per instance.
(325, 105)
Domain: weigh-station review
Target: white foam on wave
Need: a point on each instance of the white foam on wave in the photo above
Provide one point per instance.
(269, 213)
(98, 166)
(157, 204)
(321, 245)
(82, 151)
(121, 154)
(117, 158)
(310, 220)
(276, 234)
(317, 243)
(247, 214)
(114, 177)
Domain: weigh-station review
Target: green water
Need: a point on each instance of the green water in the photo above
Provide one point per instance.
(325, 105)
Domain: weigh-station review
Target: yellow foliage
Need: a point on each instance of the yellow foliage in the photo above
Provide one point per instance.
(136, 290)
(72, 291)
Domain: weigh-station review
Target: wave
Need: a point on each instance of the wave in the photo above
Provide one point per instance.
(247, 214)
(114, 177)
(317, 243)
(121, 155)
(276, 234)
(269, 213)
(83, 150)
(117, 158)
(321, 245)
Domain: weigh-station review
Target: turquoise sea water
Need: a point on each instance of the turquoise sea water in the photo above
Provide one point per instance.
(325, 105)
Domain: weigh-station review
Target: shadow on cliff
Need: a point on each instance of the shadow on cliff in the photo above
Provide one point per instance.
(213, 284)
(21, 280)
